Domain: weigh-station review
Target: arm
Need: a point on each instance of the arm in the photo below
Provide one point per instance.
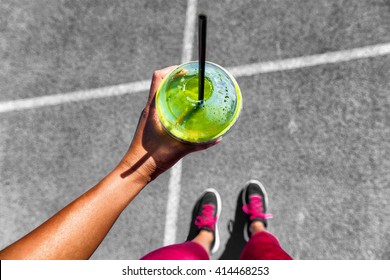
(78, 229)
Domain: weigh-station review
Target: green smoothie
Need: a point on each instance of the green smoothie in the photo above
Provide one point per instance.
(189, 120)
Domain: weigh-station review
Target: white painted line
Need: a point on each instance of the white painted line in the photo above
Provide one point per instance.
(82, 95)
(173, 202)
(311, 60)
(238, 71)
(189, 31)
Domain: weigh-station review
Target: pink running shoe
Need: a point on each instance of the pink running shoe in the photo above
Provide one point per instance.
(255, 202)
(205, 217)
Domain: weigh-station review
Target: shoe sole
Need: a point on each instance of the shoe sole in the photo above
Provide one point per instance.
(219, 208)
(257, 182)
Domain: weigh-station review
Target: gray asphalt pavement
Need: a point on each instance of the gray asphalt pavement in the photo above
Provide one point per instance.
(316, 137)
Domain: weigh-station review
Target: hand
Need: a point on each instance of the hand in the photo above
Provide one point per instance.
(153, 150)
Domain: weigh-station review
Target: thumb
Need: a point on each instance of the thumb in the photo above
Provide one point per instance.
(158, 76)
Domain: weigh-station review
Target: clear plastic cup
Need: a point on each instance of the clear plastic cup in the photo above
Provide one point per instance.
(185, 117)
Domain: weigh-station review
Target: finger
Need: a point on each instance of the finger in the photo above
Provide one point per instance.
(158, 76)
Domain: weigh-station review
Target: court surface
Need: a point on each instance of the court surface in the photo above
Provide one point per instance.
(315, 125)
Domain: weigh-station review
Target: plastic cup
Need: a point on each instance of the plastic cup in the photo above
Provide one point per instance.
(192, 121)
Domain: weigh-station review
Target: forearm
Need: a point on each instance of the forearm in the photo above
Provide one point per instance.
(77, 230)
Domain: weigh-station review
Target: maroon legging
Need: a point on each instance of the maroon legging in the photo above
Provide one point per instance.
(261, 246)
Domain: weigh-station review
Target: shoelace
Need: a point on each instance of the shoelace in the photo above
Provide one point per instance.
(255, 208)
(206, 219)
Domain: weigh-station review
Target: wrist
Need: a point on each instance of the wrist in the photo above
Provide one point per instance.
(140, 167)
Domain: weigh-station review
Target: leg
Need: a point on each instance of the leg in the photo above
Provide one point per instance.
(184, 251)
(203, 238)
(261, 245)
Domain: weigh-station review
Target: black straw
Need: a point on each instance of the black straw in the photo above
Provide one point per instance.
(202, 55)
